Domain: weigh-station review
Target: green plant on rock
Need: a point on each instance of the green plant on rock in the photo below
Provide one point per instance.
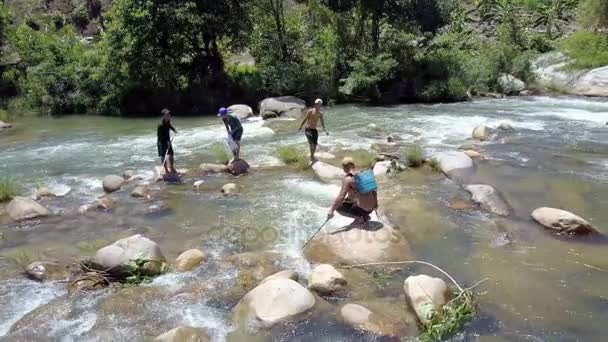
(363, 159)
(293, 156)
(434, 165)
(415, 156)
(451, 319)
(588, 49)
(137, 273)
(8, 189)
(22, 256)
(220, 153)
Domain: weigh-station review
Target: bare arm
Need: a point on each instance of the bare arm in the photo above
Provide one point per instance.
(172, 128)
(341, 196)
(304, 121)
(227, 127)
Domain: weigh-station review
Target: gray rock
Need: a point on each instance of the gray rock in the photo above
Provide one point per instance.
(140, 191)
(551, 73)
(427, 295)
(457, 165)
(563, 222)
(510, 85)
(238, 167)
(120, 255)
(325, 280)
(481, 133)
(189, 260)
(184, 334)
(592, 83)
(284, 106)
(489, 199)
(47, 270)
(242, 111)
(327, 172)
(230, 189)
(23, 208)
(505, 126)
(213, 168)
(4, 125)
(287, 274)
(112, 183)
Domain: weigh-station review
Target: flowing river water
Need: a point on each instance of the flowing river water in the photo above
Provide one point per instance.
(540, 287)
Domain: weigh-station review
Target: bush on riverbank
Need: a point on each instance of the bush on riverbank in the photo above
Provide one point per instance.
(415, 156)
(8, 189)
(588, 49)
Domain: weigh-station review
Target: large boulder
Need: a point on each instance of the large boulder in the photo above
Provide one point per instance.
(592, 83)
(189, 260)
(284, 106)
(213, 168)
(325, 280)
(238, 167)
(381, 168)
(48, 270)
(427, 295)
(510, 85)
(23, 208)
(358, 246)
(327, 172)
(286, 274)
(481, 133)
(184, 334)
(489, 199)
(271, 302)
(473, 154)
(551, 72)
(457, 165)
(242, 111)
(563, 222)
(112, 183)
(118, 257)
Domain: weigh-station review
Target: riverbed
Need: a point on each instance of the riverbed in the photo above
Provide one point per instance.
(540, 288)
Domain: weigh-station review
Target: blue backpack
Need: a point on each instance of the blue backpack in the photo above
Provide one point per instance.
(366, 182)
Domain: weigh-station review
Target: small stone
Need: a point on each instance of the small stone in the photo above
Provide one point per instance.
(481, 133)
(105, 203)
(189, 260)
(44, 192)
(140, 192)
(473, 154)
(505, 126)
(563, 222)
(47, 270)
(112, 183)
(128, 174)
(197, 185)
(230, 189)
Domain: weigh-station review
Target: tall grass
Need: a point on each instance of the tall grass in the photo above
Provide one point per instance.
(8, 189)
(415, 156)
(363, 159)
(220, 153)
(293, 156)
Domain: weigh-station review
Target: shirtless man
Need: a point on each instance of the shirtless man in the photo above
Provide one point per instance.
(351, 203)
(312, 134)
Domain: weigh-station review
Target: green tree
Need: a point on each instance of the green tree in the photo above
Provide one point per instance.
(553, 15)
(593, 14)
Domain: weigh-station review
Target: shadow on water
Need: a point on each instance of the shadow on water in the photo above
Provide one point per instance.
(372, 226)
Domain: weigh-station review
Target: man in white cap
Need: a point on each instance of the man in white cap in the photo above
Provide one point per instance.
(312, 134)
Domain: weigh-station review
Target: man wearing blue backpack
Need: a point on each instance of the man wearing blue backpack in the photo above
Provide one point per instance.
(358, 197)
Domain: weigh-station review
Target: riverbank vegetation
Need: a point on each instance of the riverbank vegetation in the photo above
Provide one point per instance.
(8, 189)
(134, 57)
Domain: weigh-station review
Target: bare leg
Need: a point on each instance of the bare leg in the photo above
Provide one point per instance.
(237, 152)
(313, 149)
(172, 161)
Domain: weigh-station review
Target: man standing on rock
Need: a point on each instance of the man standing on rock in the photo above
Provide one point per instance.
(312, 134)
(234, 129)
(354, 201)
(163, 142)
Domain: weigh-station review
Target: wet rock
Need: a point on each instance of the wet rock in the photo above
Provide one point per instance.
(112, 183)
(563, 222)
(120, 255)
(473, 154)
(393, 138)
(481, 133)
(85, 208)
(238, 167)
(23, 208)
(460, 204)
(427, 295)
(358, 246)
(287, 274)
(505, 126)
(327, 172)
(592, 83)
(197, 185)
(375, 322)
(47, 271)
(230, 189)
(105, 203)
(213, 168)
(140, 191)
(325, 280)
(4, 125)
(284, 106)
(255, 265)
(324, 155)
(242, 111)
(88, 282)
(272, 302)
(373, 127)
(382, 168)
(489, 199)
(44, 192)
(510, 84)
(157, 209)
(457, 165)
(184, 334)
(189, 260)
(128, 174)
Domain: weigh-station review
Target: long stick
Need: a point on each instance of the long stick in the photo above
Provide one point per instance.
(317, 232)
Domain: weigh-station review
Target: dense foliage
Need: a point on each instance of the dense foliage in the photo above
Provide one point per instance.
(192, 55)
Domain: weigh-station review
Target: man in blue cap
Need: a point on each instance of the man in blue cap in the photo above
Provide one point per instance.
(234, 129)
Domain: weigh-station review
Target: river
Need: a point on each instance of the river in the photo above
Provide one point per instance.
(540, 287)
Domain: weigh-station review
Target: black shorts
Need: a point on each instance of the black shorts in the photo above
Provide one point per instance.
(348, 208)
(237, 135)
(164, 150)
(312, 135)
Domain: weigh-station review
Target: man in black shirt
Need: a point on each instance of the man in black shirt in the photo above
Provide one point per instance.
(163, 142)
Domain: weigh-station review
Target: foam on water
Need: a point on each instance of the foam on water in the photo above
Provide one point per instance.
(574, 115)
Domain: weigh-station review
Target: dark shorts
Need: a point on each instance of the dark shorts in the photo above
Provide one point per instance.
(348, 208)
(312, 135)
(163, 150)
(237, 135)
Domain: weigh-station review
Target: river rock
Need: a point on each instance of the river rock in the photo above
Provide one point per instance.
(592, 83)
(118, 256)
(362, 318)
(47, 270)
(393, 138)
(242, 111)
(505, 126)
(427, 295)
(44, 192)
(184, 334)
(286, 274)
(489, 199)
(238, 167)
(254, 265)
(473, 154)
(4, 125)
(213, 168)
(327, 172)
(382, 168)
(189, 260)
(510, 84)
(551, 72)
(91, 282)
(481, 133)
(563, 222)
(112, 183)
(325, 280)
(197, 185)
(358, 246)
(455, 164)
(140, 191)
(284, 106)
(272, 302)
(23, 208)
(230, 189)
(104, 203)
(324, 155)
(128, 174)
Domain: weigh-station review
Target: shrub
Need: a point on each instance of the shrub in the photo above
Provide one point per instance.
(221, 154)
(293, 156)
(588, 49)
(8, 189)
(450, 319)
(415, 156)
(5, 116)
(363, 159)
(434, 165)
